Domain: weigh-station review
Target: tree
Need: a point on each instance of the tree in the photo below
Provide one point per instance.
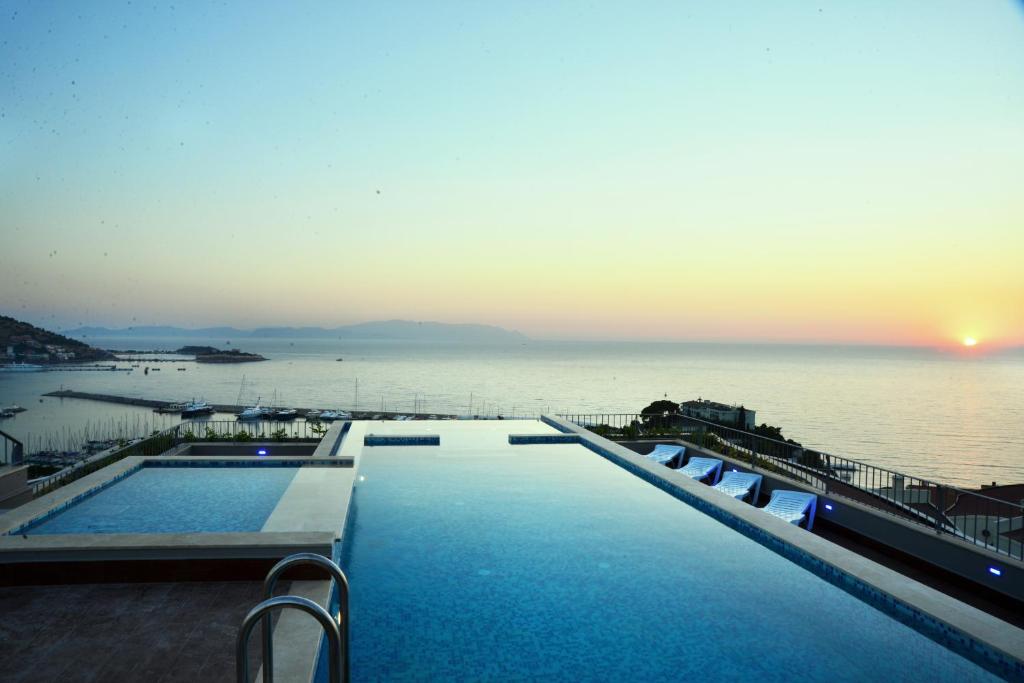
(658, 414)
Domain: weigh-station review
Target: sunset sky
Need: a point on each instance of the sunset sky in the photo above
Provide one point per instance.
(763, 171)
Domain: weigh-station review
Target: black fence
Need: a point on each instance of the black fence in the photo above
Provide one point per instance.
(256, 430)
(159, 442)
(989, 522)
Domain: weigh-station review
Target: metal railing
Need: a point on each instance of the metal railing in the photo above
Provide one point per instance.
(13, 451)
(994, 524)
(340, 583)
(154, 444)
(198, 430)
(231, 430)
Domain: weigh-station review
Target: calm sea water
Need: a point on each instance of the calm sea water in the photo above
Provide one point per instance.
(935, 415)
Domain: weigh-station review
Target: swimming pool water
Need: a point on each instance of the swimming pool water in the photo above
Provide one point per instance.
(177, 500)
(552, 563)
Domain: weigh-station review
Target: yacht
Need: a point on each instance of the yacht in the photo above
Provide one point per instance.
(21, 367)
(13, 409)
(312, 415)
(285, 414)
(255, 412)
(332, 415)
(196, 408)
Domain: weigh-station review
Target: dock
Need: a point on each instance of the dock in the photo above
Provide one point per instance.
(220, 407)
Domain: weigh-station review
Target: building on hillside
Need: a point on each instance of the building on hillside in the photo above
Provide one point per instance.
(713, 411)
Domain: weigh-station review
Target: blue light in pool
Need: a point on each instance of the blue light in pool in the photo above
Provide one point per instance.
(995, 571)
(262, 451)
(828, 506)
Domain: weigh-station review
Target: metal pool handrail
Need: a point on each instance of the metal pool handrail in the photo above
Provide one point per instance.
(296, 560)
(978, 519)
(262, 610)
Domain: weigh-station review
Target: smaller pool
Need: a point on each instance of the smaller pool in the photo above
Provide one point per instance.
(164, 500)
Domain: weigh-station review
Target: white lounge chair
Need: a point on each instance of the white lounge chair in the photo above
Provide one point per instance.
(663, 453)
(739, 485)
(793, 506)
(702, 468)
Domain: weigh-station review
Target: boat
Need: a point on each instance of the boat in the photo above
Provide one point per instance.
(196, 408)
(312, 415)
(170, 408)
(255, 412)
(332, 415)
(13, 409)
(285, 414)
(21, 367)
(5, 414)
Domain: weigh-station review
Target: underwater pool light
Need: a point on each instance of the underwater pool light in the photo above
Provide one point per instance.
(262, 451)
(995, 571)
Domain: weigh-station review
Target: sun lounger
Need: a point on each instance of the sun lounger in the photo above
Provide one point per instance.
(739, 485)
(793, 506)
(702, 468)
(663, 453)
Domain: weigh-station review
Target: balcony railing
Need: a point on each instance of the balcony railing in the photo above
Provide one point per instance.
(985, 521)
(199, 430)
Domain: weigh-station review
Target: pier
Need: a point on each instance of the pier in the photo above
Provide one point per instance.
(223, 407)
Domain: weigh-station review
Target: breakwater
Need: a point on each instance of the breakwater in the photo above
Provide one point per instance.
(222, 407)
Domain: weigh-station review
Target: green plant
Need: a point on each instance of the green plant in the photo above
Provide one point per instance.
(243, 436)
(279, 435)
(317, 428)
(189, 436)
(211, 434)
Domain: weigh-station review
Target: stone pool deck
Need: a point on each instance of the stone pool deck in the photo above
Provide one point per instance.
(144, 632)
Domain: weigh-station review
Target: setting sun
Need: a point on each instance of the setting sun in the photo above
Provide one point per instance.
(970, 341)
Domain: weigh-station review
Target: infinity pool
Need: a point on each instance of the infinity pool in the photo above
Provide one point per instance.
(176, 500)
(552, 563)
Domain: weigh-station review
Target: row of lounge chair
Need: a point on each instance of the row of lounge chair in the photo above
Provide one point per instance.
(792, 506)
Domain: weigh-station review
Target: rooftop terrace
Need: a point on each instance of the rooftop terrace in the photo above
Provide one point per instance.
(497, 546)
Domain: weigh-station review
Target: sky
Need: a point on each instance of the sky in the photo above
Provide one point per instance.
(745, 171)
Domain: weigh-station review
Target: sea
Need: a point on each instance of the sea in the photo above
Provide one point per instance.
(946, 416)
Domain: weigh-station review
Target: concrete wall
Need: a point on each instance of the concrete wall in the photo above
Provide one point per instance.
(939, 549)
(249, 449)
(14, 489)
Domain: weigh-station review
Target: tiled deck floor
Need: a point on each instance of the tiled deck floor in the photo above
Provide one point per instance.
(151, 632)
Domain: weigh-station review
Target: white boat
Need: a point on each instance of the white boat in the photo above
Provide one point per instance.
(13, 409)
(285, 414)
(21, 367)
(332, 415)
(253, 413)
(196, 408)
(312, 415)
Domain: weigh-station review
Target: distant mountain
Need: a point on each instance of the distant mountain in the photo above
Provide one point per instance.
(384, 329)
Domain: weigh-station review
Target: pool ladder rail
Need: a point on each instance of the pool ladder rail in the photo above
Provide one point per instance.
(335, 629)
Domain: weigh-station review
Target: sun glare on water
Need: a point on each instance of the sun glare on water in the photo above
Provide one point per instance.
(970, 341)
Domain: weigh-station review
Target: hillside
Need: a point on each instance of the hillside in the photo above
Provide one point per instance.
(32, 344)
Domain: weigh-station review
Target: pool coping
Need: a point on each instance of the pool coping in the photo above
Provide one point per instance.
(989, 642)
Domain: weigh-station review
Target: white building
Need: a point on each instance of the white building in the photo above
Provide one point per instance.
(718, 412)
